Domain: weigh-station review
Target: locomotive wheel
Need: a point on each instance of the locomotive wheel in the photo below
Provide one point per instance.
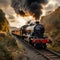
(36, 45)
(30, 41)
(44, 46)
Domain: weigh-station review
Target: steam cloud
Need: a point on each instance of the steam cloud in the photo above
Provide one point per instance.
(33, 7)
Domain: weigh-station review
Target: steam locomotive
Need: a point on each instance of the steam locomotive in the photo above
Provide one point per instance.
(36, 37)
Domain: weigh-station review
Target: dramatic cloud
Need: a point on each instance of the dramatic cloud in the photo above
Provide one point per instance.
(32, 6)
(51, 6)
(26, 7)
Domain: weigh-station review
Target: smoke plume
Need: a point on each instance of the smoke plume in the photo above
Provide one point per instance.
(33, 7)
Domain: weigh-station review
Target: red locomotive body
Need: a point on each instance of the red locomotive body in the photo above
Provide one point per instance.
(41, 42)
(44, 41)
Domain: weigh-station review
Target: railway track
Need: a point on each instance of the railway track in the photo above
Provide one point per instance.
(48, 54)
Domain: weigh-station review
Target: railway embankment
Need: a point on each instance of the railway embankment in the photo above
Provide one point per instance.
(9, 49)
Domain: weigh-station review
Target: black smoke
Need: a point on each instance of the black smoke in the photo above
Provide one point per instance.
(21, 13)
(32, 6)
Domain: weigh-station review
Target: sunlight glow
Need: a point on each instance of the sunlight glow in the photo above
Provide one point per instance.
(21, 20)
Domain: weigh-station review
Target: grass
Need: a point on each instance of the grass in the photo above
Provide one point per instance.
(9, 49)
(54, 48)
(55, 38)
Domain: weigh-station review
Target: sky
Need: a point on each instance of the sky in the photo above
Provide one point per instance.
(15, 20)
(51, 6)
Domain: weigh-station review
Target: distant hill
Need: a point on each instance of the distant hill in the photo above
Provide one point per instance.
(3, 22)
(52, 25)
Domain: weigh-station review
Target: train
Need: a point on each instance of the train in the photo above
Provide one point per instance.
(25, 34)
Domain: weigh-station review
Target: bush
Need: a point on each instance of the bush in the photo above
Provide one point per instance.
(9, 49)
